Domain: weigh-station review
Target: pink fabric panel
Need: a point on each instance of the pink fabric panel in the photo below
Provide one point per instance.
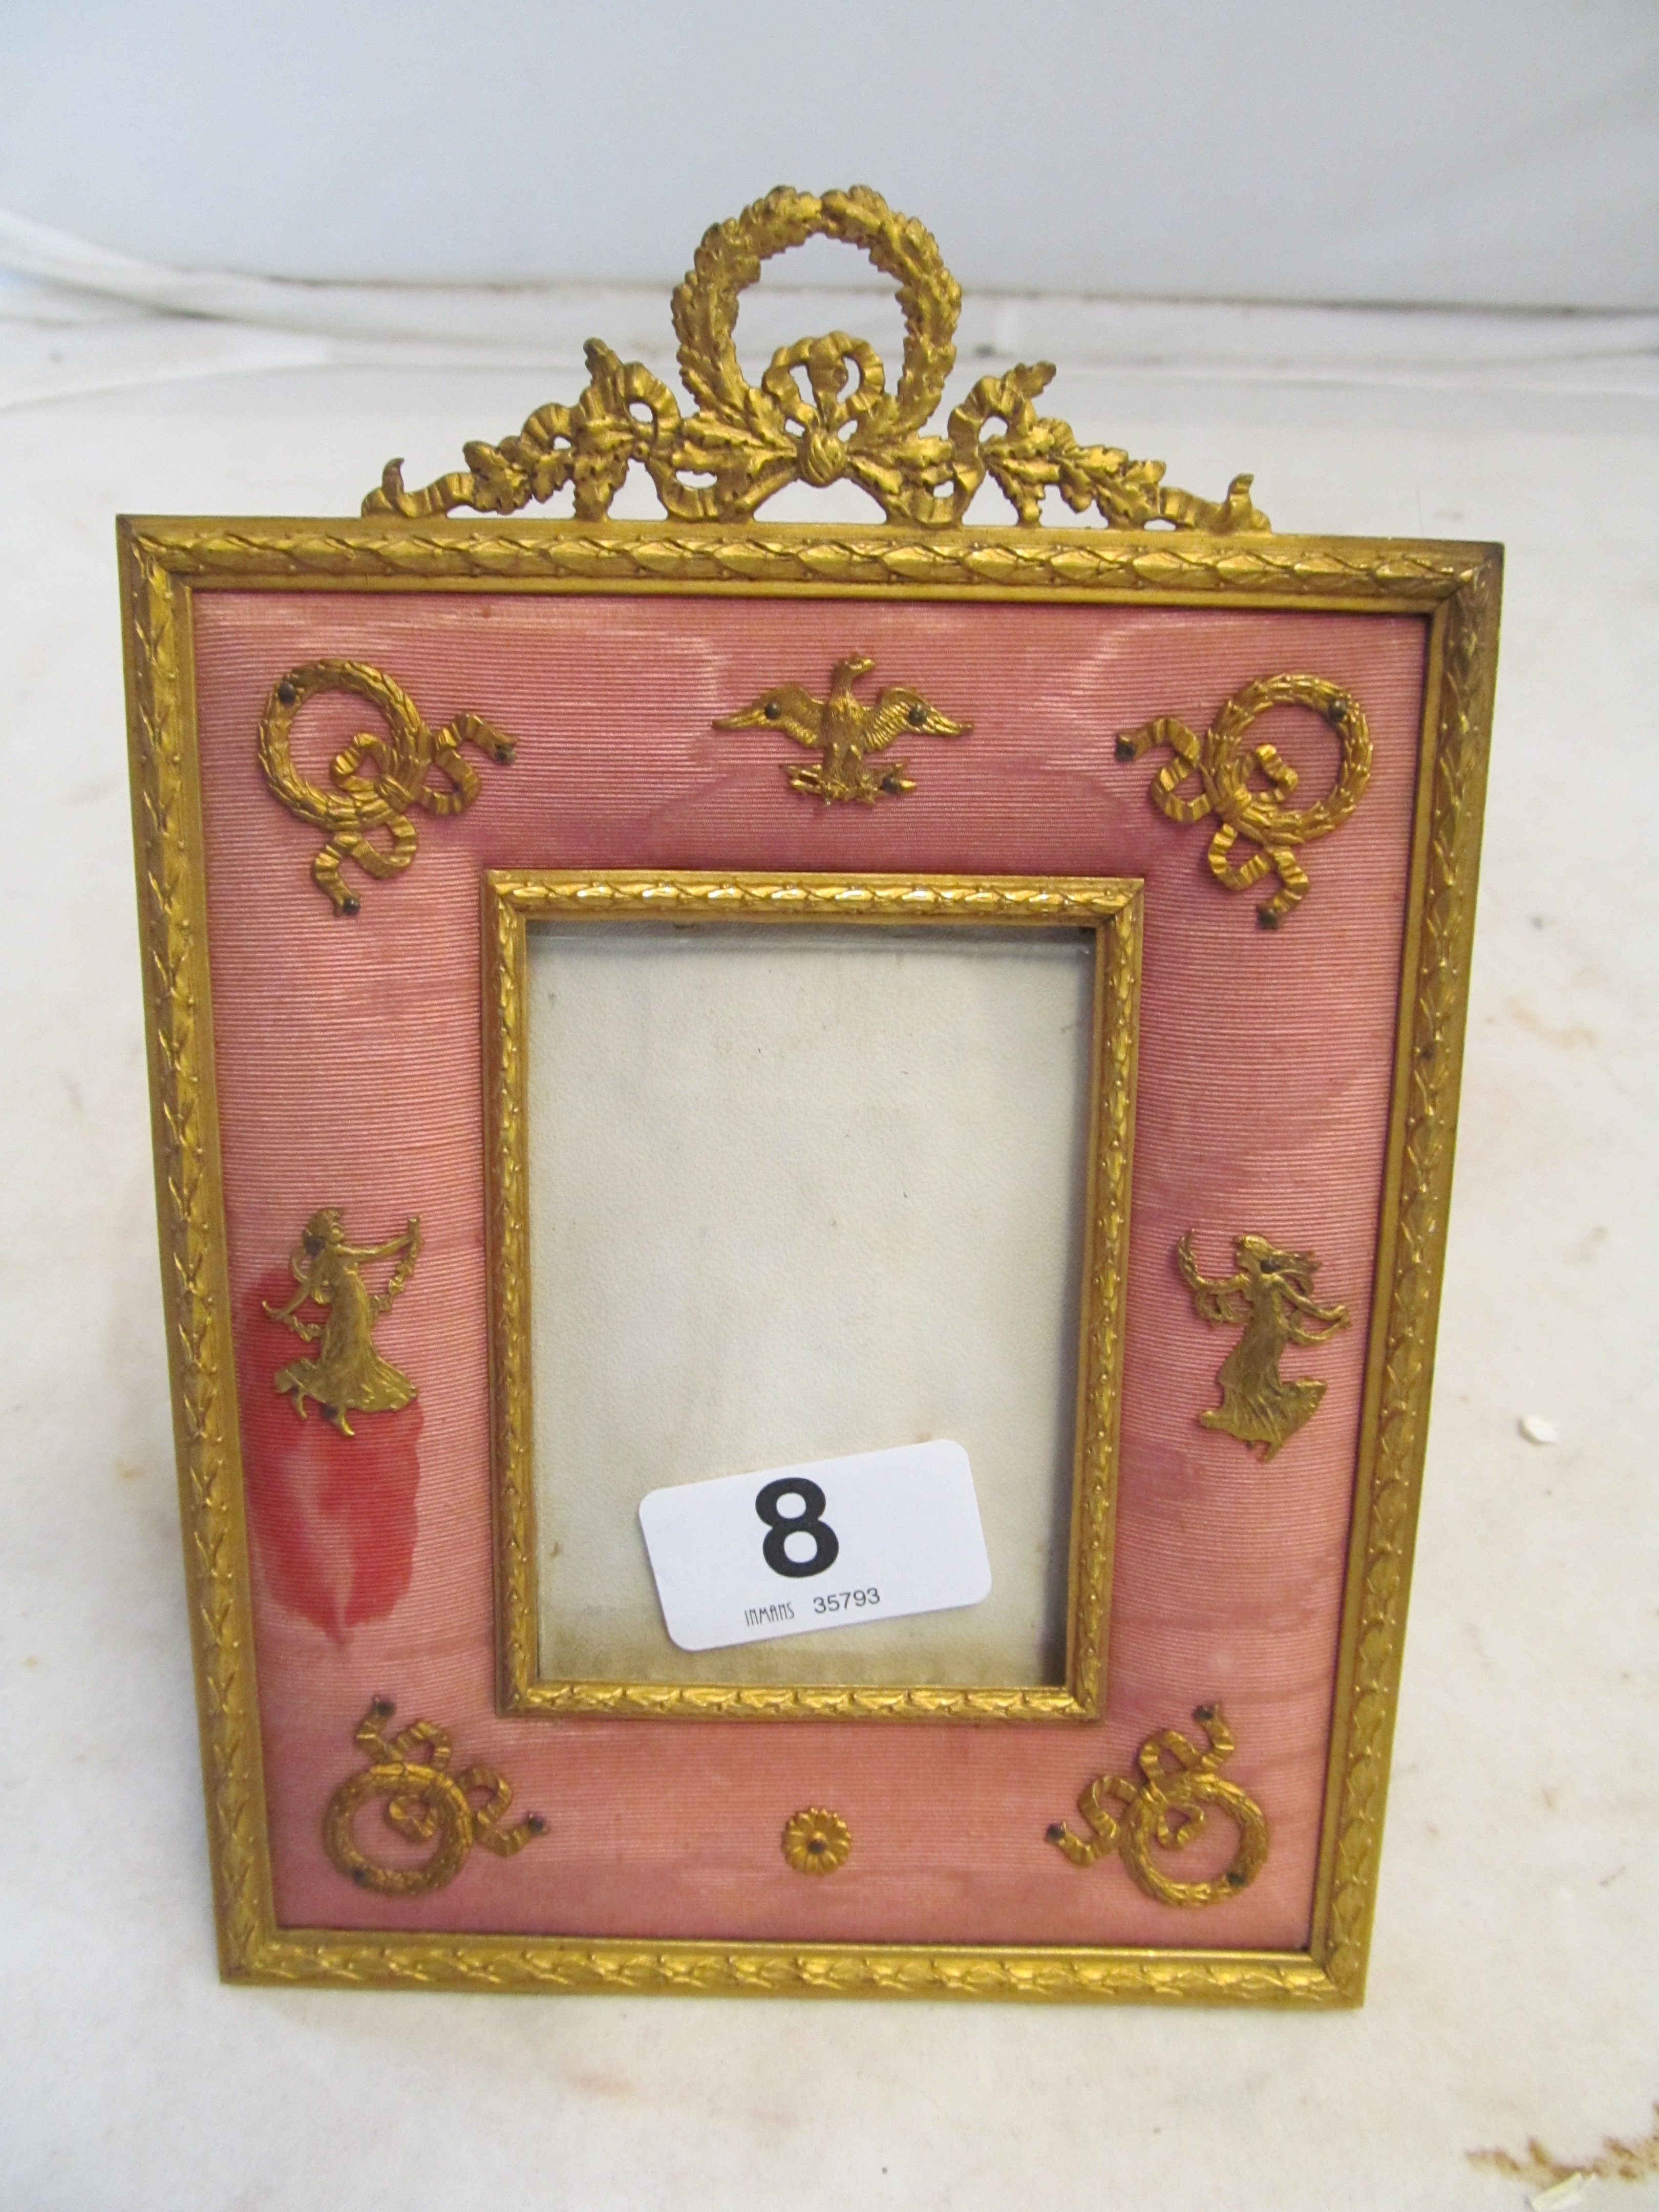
(348, 1069)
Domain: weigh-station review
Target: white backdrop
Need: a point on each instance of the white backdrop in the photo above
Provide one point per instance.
(1485, 152)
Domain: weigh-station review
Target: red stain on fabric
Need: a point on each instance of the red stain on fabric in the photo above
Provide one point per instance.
(333, 1517)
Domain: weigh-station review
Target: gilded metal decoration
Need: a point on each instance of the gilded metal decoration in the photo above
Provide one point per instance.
(842, 730)
(425, 1801)
(754, 440)
(817, 1842)
(1271, 1298)
(348, 1376)
(1224, 764)
(403, 765)
(1170, 1806)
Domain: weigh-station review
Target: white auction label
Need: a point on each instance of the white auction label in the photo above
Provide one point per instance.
(831, 1545)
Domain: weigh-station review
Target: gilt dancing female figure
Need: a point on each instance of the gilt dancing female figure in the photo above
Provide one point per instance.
(347, 1375)
(1271, 1299)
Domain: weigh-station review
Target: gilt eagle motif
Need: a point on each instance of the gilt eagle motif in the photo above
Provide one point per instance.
(842, 730)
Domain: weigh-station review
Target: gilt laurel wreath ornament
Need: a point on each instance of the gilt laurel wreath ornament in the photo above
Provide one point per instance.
(426, 1802)
(1225, 765)
(405, 761)
(1168, 1804)
(747, 442)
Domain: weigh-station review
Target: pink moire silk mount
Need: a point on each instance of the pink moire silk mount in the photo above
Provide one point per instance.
(348, 1057)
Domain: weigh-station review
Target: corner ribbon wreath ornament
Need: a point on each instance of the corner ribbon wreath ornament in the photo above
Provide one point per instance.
(425, 1801)
(1170, 1806)
(1223, 765)
(405, 759)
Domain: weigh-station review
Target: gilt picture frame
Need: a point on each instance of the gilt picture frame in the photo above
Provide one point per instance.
(364, 750)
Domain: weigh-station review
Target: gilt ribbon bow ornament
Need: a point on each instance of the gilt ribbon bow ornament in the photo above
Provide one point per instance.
(404, 755)
(426, 1802)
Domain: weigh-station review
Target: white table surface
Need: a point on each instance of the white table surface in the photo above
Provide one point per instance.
(1515, 1971)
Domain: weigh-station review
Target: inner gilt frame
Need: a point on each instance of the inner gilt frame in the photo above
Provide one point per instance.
(1109, 909)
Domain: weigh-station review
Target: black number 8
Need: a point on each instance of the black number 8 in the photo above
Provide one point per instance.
(808, 1522)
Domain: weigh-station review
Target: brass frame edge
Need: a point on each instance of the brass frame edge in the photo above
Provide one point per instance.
(1103, 1304)
(506, 1267)
(761, 559)
(625, 1967)
(160, 679)
(1109, 908)
(1413, 1205)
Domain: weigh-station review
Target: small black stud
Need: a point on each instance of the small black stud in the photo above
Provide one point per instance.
(1053, 1834)
(1124, 750)
(286, 692)
(1266, 918)
(350, 906)
(536, 1825)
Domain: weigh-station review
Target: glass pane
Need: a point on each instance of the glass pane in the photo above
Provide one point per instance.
(796, 1191)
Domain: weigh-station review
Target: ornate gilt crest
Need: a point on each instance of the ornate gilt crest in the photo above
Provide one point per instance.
(842, 730)
(802, 424)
